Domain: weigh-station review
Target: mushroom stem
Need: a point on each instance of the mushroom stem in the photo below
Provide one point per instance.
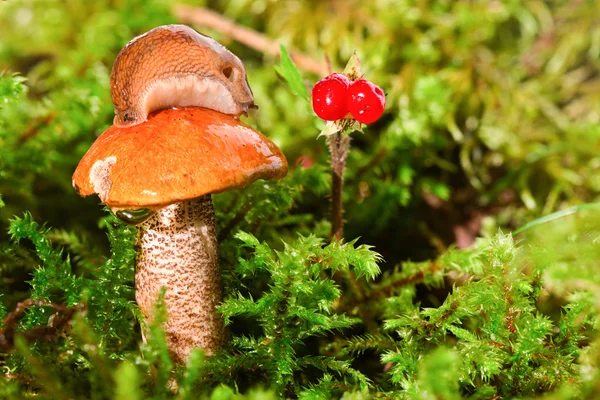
(178, 250)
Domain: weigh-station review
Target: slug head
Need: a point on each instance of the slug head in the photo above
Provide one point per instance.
(174, 66)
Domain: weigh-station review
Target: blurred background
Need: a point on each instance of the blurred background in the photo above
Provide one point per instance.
(491, 120)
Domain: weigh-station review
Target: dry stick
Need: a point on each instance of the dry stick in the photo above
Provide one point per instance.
(339, 144)
(48, 332)
(247, 36)
(386, 291)
(36, 124)
(375, 160)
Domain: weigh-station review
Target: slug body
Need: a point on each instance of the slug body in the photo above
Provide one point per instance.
(175, 66)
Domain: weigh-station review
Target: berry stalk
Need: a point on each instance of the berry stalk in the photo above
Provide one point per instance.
(348, 101)
(339, 145)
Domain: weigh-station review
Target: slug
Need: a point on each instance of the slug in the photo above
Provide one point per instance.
(175, 66)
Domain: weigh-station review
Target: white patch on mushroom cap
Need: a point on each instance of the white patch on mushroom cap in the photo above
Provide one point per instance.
(100, 176)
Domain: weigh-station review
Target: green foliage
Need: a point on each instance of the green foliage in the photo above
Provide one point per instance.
(497, 332)
(11, 88)
(491, 122)
(298, 305)
(291, 74)
(105, 288)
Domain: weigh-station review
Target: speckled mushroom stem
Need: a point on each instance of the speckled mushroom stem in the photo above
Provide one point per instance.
(178, 250)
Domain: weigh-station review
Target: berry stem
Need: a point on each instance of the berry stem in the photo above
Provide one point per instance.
(339, 145)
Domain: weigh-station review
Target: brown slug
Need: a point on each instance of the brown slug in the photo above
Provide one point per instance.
(175, 66)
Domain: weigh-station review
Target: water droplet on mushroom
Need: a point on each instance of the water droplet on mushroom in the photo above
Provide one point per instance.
(134, 217)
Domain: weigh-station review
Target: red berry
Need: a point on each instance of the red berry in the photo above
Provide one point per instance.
(329, 97)
(366, 101)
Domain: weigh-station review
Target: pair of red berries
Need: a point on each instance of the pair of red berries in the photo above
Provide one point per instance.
(334, 96)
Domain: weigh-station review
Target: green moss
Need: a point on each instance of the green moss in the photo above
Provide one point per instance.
(491, 124)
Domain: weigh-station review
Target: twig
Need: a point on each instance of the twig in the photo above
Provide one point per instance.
(56, 325)
(249, 37)
(386, 291)
(373, 162)
(34, 126)
(434, 239)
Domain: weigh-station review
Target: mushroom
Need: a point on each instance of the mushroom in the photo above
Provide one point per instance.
(160, 175)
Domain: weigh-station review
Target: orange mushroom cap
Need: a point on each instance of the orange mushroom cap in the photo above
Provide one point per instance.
(178, 154)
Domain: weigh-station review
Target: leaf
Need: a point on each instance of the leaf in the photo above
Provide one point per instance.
(127, 381)
(353, 70)
(290, 73)
(461, 333)
(222, 393)
(340, 125)
(11, 87)
(556, 215)
(248, 239)
(192, 370)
